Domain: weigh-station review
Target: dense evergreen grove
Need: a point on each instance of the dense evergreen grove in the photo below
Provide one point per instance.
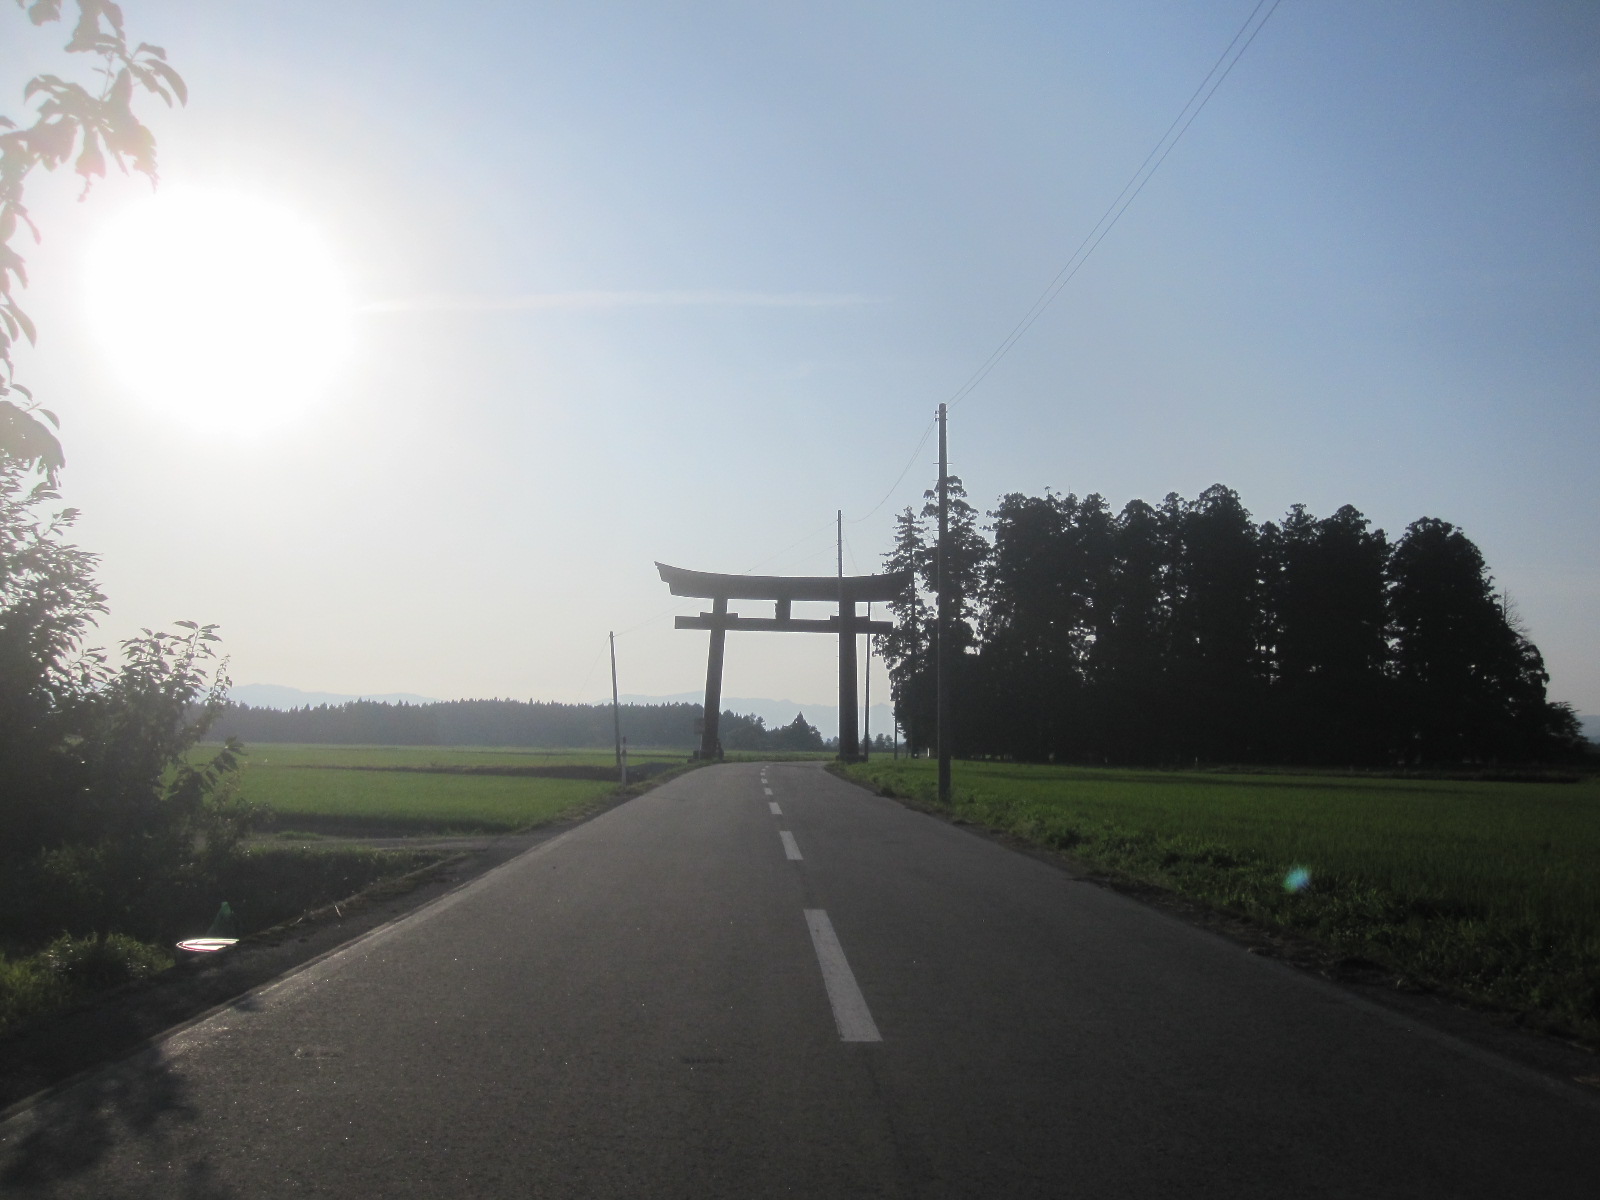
(505, 723)
(1186, 632)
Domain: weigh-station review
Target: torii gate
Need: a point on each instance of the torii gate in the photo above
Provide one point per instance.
(845, 590)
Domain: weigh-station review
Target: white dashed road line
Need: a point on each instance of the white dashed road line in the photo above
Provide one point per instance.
(850, 1010)
(791, 851)
(768, 791)
(773, 805)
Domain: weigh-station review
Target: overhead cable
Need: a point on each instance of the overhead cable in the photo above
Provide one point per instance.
(1130, 190)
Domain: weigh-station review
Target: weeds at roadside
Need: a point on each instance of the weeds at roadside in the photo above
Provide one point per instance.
(77, 922)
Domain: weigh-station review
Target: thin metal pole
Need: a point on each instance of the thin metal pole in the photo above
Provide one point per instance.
(616, 712)
(941, 638)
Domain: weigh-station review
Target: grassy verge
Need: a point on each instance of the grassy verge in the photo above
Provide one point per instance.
(85, 920)
(1488, 890)
(71, 969)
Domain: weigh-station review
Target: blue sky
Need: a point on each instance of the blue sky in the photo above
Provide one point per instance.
(676, 281)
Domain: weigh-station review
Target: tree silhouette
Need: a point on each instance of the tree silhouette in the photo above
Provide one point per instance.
(1186, 631)
(1217, 662)
(907, 650)
(1328, 634)
(1470, 685)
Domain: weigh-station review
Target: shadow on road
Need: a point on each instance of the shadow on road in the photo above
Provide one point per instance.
(135, 1109)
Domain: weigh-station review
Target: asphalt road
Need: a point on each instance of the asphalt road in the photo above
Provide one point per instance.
(676, 1000)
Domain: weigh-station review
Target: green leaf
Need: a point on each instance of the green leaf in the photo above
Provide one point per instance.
(91, 162)
(42, 11)
(172, 78)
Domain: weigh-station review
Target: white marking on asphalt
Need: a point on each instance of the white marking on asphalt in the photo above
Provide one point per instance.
(790, 850)
(768, 791)
(773, 805)
(850, 1012)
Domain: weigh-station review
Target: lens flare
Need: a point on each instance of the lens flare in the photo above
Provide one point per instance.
(1297, 880)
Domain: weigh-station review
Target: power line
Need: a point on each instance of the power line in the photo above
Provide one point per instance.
(1220, 70)
(910, 462)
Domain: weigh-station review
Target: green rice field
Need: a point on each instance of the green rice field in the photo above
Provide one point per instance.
(426, 789)
(1488, 889)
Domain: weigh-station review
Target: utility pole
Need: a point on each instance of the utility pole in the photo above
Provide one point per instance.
(941, 667)
(616, 713)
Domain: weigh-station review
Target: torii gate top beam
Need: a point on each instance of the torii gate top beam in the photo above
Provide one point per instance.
(852, 589)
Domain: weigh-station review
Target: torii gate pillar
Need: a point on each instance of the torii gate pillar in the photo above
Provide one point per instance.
(849, 717)
(846, 591)
(719, 635)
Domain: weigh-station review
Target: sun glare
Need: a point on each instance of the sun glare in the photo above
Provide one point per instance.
(224, 311)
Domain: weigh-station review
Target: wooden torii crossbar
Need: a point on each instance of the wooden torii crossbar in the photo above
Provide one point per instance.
(846, 591)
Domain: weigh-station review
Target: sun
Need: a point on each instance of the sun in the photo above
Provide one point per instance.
(224, 311)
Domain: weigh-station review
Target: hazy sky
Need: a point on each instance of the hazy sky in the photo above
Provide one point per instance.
(677, 280)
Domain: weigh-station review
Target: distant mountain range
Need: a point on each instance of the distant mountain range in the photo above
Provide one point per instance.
(774, 712)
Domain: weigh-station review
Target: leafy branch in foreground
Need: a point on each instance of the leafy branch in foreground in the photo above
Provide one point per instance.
(84, 124)
(90, 750)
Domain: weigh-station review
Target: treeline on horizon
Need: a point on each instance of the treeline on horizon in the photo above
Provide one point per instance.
(535, 724)
(1186, 632)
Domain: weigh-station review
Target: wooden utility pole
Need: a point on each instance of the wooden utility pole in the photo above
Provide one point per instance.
(616, 713)
(941, 669)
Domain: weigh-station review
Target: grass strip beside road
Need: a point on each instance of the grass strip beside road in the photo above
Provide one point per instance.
(1487, 890)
